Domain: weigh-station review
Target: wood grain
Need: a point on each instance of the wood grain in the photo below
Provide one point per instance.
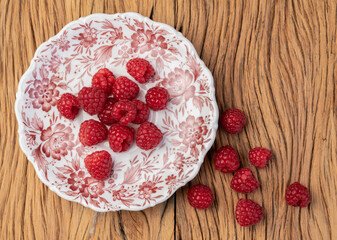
(275, 59)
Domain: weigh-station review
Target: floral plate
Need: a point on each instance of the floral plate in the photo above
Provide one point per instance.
(66, 63)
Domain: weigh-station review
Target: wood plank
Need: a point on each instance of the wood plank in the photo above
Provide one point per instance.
(276, 60)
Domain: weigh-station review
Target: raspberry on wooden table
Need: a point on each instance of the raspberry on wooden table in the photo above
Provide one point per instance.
(140, 69)
(259, 157)
(120, 137)
(148, 136)
(143, 112)
(243, 181)
(248, 212)
(68, 106)
(92, 132)
(125, 89)
(103, 79)
(92, 100)
(233, 120)
(157, 98)
(226, 159)
(99, 164)
(200, 196)
(124, 111)
(297, 195)
(106, 115)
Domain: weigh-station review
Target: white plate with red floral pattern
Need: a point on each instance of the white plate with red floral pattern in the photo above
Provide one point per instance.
(66, 63)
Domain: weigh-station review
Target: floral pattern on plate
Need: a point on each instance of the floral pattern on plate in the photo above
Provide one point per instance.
(67, 62)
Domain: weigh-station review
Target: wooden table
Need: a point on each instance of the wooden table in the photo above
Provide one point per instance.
(274, 59)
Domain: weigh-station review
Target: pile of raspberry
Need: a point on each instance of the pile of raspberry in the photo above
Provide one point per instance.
(114, 102)
(226, 160)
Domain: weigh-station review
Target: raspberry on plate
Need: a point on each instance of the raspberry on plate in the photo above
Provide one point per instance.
(92, 132)
(259, 157)
(124, 88)
(233, 120)
(99, 164)
(106, 115)
(140, 69)
(243, 181)
(297, 195)
(226, 159)
(143, 112)
(157, 98)
(68, 106)
(92, 100)
(120, 137)
(148, 136)
(103, 79)
(124, 111)
(200, 196)
(248, 212)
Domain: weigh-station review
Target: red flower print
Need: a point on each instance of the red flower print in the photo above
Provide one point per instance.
(141, 40)
(179, 85)
(171, 180)
(62, 42)
(158, 46)
(125, 51)
(55, 63)
(146, 189)
(88, 38)
(43, 94)
(77, 181)
(58, 141)
(116, 34)
(179, 162)
(192, 133)
(94, 187)
(119, 194)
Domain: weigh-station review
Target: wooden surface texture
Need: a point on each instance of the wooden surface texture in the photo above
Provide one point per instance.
(275, 59)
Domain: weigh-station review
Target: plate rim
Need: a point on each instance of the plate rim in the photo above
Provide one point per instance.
(19, 100)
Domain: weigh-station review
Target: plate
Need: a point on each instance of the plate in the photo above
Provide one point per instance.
(67, 62)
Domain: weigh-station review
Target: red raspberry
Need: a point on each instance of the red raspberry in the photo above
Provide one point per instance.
(103, 79)
(157, 98)
(233, 120)
(148, 136)
(124, 88)
(106, 115)
(124, 111)
(140, 69)
(248, 212)
(227, 159)
(243, 181)
(259, 157)
(92, 100)
(120, 137)
(68, 106)
(92, 132)
(297, 195)
(200, 196)
(99, 164)
(143, 112)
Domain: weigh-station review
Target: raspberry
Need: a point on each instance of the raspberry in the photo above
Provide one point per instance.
(200, 196)
(124, 88)
(124, 111)
(244, 181)
(148, 136)
(68, 106)
(120, 137)
(106, 115)
(140, 69)
(92, 100)
(157, 98)
(233, 120)
(143, 112)
(248, 212)
(103, 79)
(259, 157)
(226, 159)
(92, 132)
(297, 195)
(99, 164)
